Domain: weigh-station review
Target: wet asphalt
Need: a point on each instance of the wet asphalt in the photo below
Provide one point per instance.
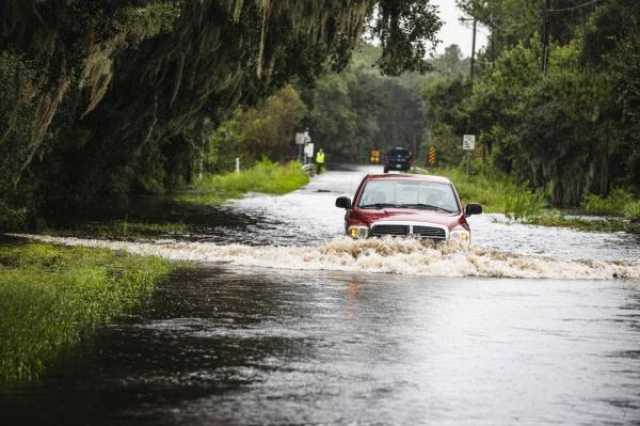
(252, 346)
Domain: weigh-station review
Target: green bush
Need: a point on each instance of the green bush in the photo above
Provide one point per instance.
(523, 204)
(497, 193)
(11, 218)
(613, 205)
(266, 177)
(632, 211)
(50, 297)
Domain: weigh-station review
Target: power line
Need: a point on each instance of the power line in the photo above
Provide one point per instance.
(568, 9)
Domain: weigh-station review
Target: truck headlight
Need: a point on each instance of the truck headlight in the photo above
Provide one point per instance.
(358, 231)
(461, 235)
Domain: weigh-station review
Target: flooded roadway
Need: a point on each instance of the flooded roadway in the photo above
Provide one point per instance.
(231, 343)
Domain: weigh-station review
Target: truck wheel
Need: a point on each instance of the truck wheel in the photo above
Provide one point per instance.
(386, 170)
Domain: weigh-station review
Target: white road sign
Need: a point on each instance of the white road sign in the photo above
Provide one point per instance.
(308, 150)
(469, 142)
(303, 138)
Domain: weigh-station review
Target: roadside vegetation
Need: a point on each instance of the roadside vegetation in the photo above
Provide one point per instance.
(498, 193)
(556, 218)
(552, 104)
(264, 177)
(51, 297)
(121, 229)
(73, 142)
(619, 203)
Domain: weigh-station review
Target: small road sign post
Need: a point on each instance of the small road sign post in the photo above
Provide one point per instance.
(300, 143)
(301, 140)
(468, 145)
(309, 151)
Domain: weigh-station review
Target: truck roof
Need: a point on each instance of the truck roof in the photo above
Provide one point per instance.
(400, 176)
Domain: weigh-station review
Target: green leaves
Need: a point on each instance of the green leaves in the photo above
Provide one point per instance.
(117, 97)
(570, 131)
(407, 33)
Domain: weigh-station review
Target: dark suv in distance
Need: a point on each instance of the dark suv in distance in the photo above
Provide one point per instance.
(398, 158)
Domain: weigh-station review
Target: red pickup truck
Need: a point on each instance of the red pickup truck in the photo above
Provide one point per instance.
(416, 206)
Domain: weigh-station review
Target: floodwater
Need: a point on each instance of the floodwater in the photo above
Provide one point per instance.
(293, 326)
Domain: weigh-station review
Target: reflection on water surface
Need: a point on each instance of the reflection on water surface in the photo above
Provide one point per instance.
(256, 347)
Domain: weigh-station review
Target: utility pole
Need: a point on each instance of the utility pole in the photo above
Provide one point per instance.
(472, 69)
(493, 40)
(545, 36)
(473, 48)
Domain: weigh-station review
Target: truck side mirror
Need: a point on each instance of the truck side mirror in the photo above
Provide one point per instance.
(472, 209)
(343, 202)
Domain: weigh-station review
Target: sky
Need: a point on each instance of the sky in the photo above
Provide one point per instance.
(453, 31)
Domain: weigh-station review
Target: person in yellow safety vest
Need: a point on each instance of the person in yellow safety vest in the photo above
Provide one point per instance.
(320, 161)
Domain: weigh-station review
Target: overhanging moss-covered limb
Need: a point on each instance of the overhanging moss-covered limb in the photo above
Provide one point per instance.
(217, 48)
(57, 69)
(141, 76)
(46, 109)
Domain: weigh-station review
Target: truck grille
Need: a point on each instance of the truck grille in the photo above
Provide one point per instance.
(430, 232)
(380, 230)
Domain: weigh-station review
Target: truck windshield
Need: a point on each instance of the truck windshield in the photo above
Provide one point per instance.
(379, 194)
(396, 152)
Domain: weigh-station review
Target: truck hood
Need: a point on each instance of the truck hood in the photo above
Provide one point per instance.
(407, 215)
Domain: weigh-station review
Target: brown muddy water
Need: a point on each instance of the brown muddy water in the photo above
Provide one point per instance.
(301, 328)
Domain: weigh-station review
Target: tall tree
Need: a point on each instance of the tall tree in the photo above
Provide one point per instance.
(103, 92)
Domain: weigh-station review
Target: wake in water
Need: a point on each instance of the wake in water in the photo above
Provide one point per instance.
(395, 256)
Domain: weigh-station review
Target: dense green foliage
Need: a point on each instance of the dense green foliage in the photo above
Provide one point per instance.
(50, 297)
(618, 203)
(352, 112)
(101, 99)
(496, 192)
(265, 177)
(265, 130)
(569, 128)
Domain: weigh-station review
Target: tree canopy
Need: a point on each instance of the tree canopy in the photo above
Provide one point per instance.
(556, 101)
(97, 98)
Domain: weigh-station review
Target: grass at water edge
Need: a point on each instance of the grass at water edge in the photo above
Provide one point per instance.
(52, 296)
(265, 177)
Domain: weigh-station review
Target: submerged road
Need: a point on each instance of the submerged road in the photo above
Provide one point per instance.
(253, 336)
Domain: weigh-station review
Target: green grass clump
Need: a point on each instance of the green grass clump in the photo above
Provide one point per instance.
(523, 204)
(266, 177)
(632, 211)
(50, 297)
(613, 205)
(123, 229)
(556, 219)
(497, 193)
